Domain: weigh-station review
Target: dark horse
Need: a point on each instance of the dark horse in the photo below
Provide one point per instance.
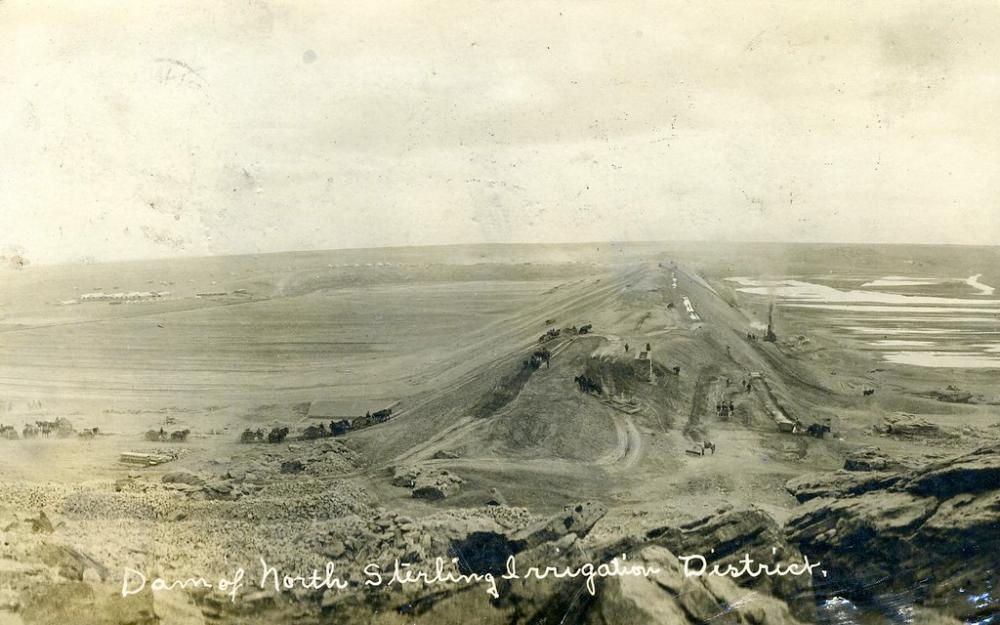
(817, 430)
(587, 385)
(277, 435)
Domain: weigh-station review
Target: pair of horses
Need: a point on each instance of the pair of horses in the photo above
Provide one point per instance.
(161, 436)
(252, 436)
(276, 435)
(537, 358)
(587, 385)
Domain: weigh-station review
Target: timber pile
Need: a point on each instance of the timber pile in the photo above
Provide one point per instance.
(144, 459)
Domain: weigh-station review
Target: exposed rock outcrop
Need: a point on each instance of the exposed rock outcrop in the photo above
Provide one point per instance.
(932, 533)
(906, 425)
(868, 459)
(670, 597)
(838, 484)
(725, 537)
(663, 596)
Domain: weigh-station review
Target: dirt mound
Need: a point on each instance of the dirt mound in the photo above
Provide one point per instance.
(619, 377)
(643, 384)
(504, 391)
(551, 417)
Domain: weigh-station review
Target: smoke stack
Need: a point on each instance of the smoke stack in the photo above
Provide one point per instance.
(771, 336)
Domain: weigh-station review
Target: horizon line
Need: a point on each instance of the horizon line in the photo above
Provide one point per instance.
(112, 261)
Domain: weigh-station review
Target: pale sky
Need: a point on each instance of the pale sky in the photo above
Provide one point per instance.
(142, 129)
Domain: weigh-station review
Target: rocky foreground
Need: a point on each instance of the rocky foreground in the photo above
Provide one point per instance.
(890, 539)
(919, 543)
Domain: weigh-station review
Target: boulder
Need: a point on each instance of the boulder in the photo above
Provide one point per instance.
(867, 459)
(909, 426)
(496, 498)
(182, 477)
(405, 476)
(436, 486)
(219, 490)
(335, 549)
(575, 519)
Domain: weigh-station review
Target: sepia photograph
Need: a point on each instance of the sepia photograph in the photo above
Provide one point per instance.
(499, 312)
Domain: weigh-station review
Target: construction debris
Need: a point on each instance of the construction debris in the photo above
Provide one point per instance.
(144, 459)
